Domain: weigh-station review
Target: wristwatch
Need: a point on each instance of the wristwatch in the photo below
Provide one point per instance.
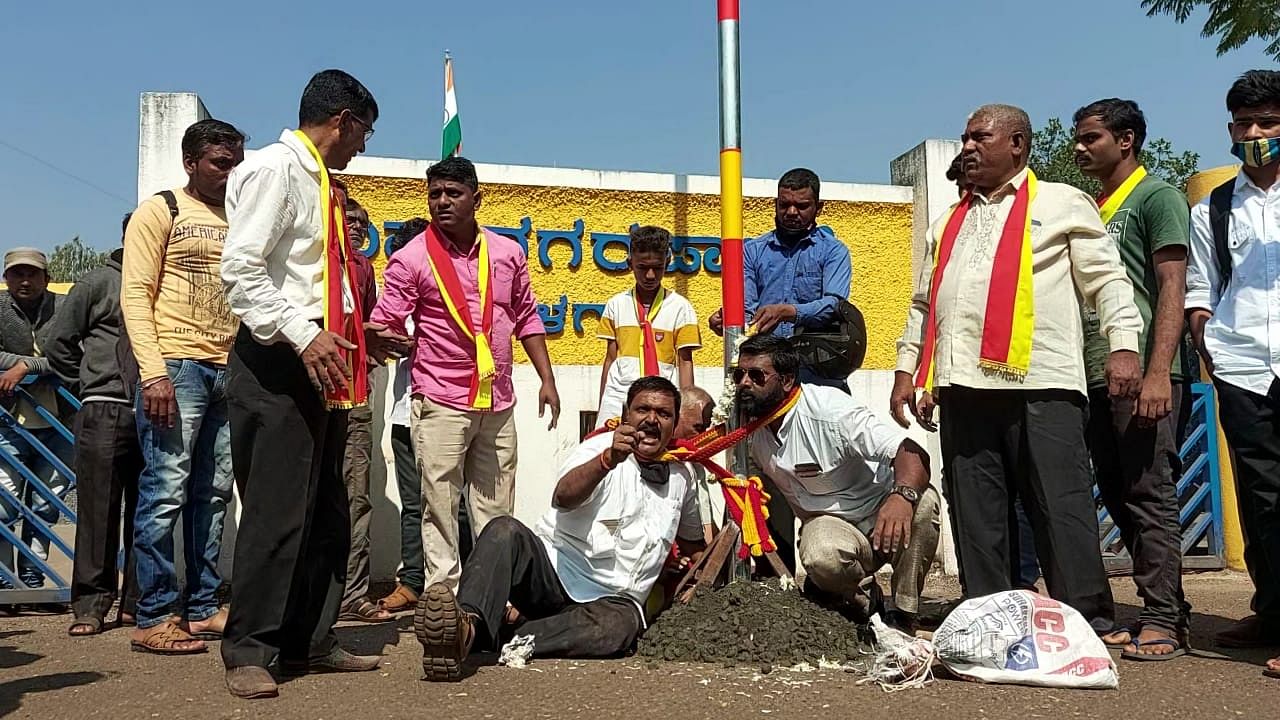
(909, 494)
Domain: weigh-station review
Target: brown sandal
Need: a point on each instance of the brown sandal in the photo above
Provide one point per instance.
(402, 599)
(93, 625)
(366, 612)
(163, 639)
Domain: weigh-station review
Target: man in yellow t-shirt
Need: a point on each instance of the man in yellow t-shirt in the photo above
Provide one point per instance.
(181, 329)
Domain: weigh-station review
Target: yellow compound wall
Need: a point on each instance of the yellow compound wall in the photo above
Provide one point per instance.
(878, 235)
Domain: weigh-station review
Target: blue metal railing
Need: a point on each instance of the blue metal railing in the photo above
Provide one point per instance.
(55, 587)
(1199, 494)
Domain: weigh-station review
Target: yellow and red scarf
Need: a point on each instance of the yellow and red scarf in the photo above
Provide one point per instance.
(337, 271)
(649, 347)
(1010, 315)
(480, 396)
(745, 498)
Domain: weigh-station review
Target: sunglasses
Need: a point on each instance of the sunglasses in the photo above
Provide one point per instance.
(758, 376)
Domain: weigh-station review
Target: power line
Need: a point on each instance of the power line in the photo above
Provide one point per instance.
(69, 174)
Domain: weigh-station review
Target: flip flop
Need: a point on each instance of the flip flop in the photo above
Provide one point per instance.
(1178, 650)
(94, 624)
(1268, 672)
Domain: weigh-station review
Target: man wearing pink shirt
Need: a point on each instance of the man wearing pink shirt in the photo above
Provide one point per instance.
(467, 290)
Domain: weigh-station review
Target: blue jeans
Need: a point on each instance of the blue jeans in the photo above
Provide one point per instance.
(17, 485)
(188, 473)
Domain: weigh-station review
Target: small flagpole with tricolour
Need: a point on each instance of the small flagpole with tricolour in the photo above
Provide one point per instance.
(451, 136)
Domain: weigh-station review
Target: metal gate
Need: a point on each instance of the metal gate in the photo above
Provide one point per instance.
(18, 509)
(1199, 495)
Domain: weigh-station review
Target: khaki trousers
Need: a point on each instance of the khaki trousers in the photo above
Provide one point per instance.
(457, 449)
(839, 559)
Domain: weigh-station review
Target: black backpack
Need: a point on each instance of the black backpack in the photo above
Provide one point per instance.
(1219, 222)
(129, 373)
(835, 351)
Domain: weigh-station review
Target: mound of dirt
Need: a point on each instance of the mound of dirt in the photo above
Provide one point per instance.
(753, 623)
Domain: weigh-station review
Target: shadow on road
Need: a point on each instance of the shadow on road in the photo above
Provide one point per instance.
(11, 656)
(12, 692)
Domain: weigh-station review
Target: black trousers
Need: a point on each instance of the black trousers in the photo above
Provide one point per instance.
(1251, 423)
(510, 564)
(291, 551)
(1137, 471)
(998, 445)
(108, 461)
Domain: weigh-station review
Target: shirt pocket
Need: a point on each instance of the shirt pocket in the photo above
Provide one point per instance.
(807, 285)
(504, 278)
(815, 480)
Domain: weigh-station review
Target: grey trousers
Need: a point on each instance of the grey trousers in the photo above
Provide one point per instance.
(839, 559)
(1137, 471)
(355, 473)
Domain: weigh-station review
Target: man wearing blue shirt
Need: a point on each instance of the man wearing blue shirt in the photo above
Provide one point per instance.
(795, 274)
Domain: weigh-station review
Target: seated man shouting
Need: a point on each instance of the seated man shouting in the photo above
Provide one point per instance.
(859, 486)
(579, 580)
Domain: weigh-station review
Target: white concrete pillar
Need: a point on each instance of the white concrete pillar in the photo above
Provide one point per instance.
(924, 168)
(162, 119)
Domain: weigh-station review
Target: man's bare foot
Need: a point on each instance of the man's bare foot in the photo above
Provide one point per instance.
(1273, 668)
(1118, 638)
(209, 628)
(1146, 644)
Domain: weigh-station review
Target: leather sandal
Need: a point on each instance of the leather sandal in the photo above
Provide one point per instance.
(402, 599)
(93, 625)
(163, 639)
(366, 612)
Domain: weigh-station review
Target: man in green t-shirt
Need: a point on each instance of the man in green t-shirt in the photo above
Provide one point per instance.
(1134, 441)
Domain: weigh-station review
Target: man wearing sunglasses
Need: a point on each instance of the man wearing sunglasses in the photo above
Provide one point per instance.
(859, 486)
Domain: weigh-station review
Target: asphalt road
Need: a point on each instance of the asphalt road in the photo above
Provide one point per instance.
(45, 674)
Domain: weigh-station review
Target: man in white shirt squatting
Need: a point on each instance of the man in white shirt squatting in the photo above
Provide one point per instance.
(859, 486)
(581, 577)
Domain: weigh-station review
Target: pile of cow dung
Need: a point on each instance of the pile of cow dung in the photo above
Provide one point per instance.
(754, 623)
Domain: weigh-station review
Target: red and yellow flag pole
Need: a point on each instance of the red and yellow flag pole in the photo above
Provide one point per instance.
(731, 277)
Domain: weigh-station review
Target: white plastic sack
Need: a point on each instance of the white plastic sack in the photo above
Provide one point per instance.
(1024, 638)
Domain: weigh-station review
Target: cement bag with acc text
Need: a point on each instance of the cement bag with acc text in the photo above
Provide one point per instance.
(1023, 638)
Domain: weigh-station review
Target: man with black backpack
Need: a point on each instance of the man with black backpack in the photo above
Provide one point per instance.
(181, 329)
(1235, 322)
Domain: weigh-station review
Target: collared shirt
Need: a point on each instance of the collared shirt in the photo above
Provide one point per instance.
(401, 407)
(444, 359)
(617, 540)
(1071, 253)
(1243, 336)
(831, 456)
(805, 274)
(273, 261)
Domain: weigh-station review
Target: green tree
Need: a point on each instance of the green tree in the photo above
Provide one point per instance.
(73, 259)
(1233, 22)
(1053, 159)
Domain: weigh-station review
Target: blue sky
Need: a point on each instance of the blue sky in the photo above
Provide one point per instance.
(842, 87)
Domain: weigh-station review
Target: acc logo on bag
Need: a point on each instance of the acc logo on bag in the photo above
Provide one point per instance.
(1022, 656)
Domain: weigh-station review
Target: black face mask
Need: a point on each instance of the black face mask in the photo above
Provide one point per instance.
(791, 236)
(654, 473)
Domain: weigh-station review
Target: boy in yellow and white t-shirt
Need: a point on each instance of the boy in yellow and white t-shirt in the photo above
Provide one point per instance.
(649, 329)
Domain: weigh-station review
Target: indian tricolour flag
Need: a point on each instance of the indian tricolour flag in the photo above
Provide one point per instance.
(452, 135)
